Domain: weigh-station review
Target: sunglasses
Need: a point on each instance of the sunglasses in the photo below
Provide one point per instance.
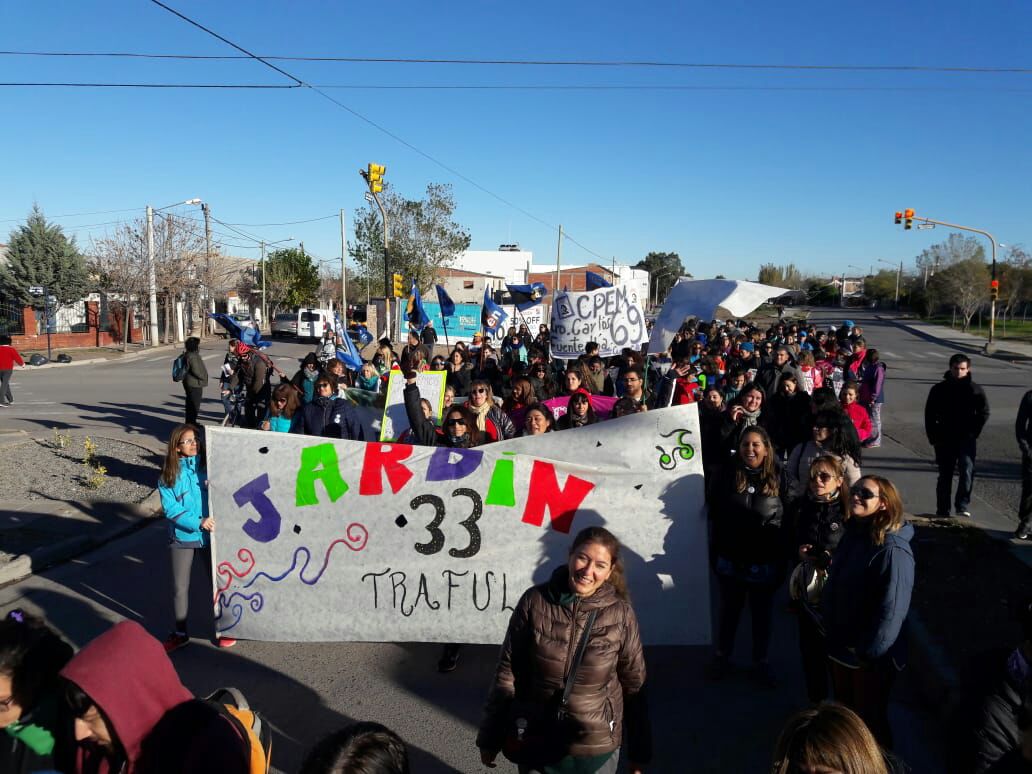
(823, 476)
(479, 391)
(862, 493)
(188, 441)
(454, 422)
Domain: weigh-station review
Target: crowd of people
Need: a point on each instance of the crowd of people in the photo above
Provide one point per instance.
(786, 414)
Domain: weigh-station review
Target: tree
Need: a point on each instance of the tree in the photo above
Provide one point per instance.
(423, 237)
(1015, 275)
(118, 266)
(664, 270)
(955, 249)
(39, 253)
(787, 276)
(881, 286)
(965, 284)
(291, 279)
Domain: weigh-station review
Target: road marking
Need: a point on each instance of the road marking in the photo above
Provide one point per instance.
(154, 359)
(891, 355)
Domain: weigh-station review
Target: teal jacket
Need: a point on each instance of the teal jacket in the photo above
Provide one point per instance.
(186, 505)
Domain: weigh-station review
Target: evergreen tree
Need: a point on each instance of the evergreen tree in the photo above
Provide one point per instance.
(39, 253)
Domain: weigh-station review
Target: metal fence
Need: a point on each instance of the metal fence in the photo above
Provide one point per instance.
(11, 323)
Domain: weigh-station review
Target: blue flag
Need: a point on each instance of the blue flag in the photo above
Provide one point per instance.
(414, 312)
(252, 337)
(447, 305)
(346, 351)
(492, 316)
(595, 281)
(526, 296)
(364, 336)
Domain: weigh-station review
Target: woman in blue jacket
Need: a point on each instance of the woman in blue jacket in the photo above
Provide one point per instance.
(865, 602)
(183, 487)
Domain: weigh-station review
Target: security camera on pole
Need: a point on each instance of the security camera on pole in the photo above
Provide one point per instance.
(373, 175)
(907, 217)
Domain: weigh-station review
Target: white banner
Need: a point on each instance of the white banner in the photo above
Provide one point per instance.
(329, 540)
(608, 316)
(533, 317)
(395, 419)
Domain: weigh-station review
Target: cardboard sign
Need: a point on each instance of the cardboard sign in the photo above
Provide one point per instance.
(395, 418)
(330, 540)
(607, 316)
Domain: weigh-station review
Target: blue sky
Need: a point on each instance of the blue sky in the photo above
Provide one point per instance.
(741, 168)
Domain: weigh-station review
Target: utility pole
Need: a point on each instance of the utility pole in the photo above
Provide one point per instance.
(558, 255)
(343, 271)
(153, 290)
(373, 175)
(264, 318)
(207, 263)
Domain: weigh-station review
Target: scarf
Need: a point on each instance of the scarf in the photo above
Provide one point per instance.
(750, 417)
(480, 412)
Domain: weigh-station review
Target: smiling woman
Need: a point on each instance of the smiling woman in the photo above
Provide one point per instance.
(571, 667)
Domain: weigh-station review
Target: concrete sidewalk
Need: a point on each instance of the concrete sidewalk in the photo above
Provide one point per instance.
(92, 355)
(968, 342)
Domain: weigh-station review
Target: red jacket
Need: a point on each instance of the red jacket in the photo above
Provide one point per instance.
(861, 419)
(8, 357)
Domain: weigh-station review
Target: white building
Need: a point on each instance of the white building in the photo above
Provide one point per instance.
(508, 262)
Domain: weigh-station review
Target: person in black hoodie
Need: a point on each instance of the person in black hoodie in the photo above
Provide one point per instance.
(329, 416)
(35, 728)
(955, 413)
(788, 415)
(1023, 432)
(816, 521)
(747, 549)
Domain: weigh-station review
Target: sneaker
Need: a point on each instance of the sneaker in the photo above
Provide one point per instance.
(1023, 534)
(718, 668)
(763, 675)
(449, 659)
(175, 641)
(964, 512)
(224, 642)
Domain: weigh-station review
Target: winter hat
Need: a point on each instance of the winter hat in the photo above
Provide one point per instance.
(746, 346)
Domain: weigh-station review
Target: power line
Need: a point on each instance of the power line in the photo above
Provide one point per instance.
(266, 58)
(370, 122)
(509, 87)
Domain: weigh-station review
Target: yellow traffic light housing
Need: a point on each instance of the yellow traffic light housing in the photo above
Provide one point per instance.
(899, 217)
(399, 289)
(908, 219)
(374, 176)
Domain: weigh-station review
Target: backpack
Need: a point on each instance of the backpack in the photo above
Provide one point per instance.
(179, 368)
(251, 726)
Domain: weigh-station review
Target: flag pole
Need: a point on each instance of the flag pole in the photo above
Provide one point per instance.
(444, 324)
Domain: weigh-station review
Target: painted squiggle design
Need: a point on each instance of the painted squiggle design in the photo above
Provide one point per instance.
(227, 571)
(684, 450)
(254, 601)
(356, 537)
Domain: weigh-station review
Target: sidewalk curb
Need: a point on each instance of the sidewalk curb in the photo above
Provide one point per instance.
(129, 356)
(25, 565)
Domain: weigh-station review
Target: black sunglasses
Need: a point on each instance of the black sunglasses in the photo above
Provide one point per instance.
(453, 422)
(862, 493)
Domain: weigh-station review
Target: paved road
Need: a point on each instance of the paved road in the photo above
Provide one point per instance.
(309, 689)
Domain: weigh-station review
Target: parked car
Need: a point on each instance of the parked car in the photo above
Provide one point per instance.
(284, 324)
(243, 319)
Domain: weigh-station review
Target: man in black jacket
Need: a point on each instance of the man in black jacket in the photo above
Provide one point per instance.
(1023, 431)
(955, 413)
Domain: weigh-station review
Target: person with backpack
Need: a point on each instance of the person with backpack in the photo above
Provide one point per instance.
(189, 369)
(133, 714)
(183, 487)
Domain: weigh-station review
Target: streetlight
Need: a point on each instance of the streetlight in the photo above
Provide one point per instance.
(656, 276)
(899, 274)
(153, 290)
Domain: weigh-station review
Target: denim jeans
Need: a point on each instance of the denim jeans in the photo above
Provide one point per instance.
(959, 457)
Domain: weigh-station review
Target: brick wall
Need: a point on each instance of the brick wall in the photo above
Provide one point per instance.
(90, 338)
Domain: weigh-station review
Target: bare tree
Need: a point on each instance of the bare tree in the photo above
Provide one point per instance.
(179, 251)
(964, 284)
(955, 249)
(119, 266)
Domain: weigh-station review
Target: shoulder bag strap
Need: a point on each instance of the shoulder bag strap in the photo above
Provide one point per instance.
(582, 646)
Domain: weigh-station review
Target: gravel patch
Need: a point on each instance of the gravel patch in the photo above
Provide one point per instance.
(41, 470)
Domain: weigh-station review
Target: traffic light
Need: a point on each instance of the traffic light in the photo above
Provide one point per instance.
(399, 290)
(994, 289)
(899, 217)
(908, 219)
(374, 176)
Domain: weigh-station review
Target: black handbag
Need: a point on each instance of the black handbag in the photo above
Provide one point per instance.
(538, 734)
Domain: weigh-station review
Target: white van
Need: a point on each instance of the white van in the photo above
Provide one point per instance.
(312, 322)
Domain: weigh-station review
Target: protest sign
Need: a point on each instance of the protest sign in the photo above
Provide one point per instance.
(608, 316)
(332, 540)
(533, 317)
(395, 419)
(602, 405)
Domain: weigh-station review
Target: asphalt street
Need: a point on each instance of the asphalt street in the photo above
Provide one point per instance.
(309, 689)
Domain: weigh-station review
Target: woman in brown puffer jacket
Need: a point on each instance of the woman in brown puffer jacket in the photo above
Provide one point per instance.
(544, 633)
